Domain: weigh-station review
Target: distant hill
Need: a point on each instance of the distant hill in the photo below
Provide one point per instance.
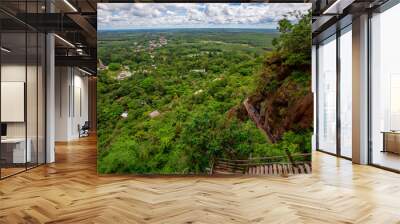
(168, 30)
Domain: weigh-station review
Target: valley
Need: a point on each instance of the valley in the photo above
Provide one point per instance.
(172, 101)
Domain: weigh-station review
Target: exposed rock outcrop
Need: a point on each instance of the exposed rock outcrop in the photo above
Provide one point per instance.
(283, 100)
(154, 114)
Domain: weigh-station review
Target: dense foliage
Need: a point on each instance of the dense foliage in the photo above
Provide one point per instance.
(194, 83)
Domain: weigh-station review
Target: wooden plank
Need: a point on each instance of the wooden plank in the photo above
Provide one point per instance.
(301, 168)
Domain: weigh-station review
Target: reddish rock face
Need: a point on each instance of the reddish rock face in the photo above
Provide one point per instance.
(296, 117)
(283, 101)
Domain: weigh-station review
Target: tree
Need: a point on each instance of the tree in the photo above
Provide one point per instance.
(295, 39)
(114, 66)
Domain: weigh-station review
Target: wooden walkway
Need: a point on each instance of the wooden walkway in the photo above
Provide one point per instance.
(280, 169)
(255, 116)
(276, 165)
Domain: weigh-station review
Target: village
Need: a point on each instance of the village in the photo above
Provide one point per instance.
(149, 48)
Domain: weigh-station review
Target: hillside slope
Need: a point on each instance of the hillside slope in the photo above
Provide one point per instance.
(283, 97)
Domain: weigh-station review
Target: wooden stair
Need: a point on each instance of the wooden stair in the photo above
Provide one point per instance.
(280, 169)
(277, 165)
(267, 169)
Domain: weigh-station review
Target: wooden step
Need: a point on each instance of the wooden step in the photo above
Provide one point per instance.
(308, 167)
(266, 169)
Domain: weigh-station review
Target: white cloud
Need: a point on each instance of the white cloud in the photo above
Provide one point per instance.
(167, 15)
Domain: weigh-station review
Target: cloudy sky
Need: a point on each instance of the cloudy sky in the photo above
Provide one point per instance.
(193, 15)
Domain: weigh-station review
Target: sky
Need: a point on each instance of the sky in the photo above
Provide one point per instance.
(114, 16)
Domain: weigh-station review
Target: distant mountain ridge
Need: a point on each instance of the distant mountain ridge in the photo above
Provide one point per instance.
(158, 30)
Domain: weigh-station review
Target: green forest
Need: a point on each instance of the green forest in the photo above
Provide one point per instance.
(171, 101)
